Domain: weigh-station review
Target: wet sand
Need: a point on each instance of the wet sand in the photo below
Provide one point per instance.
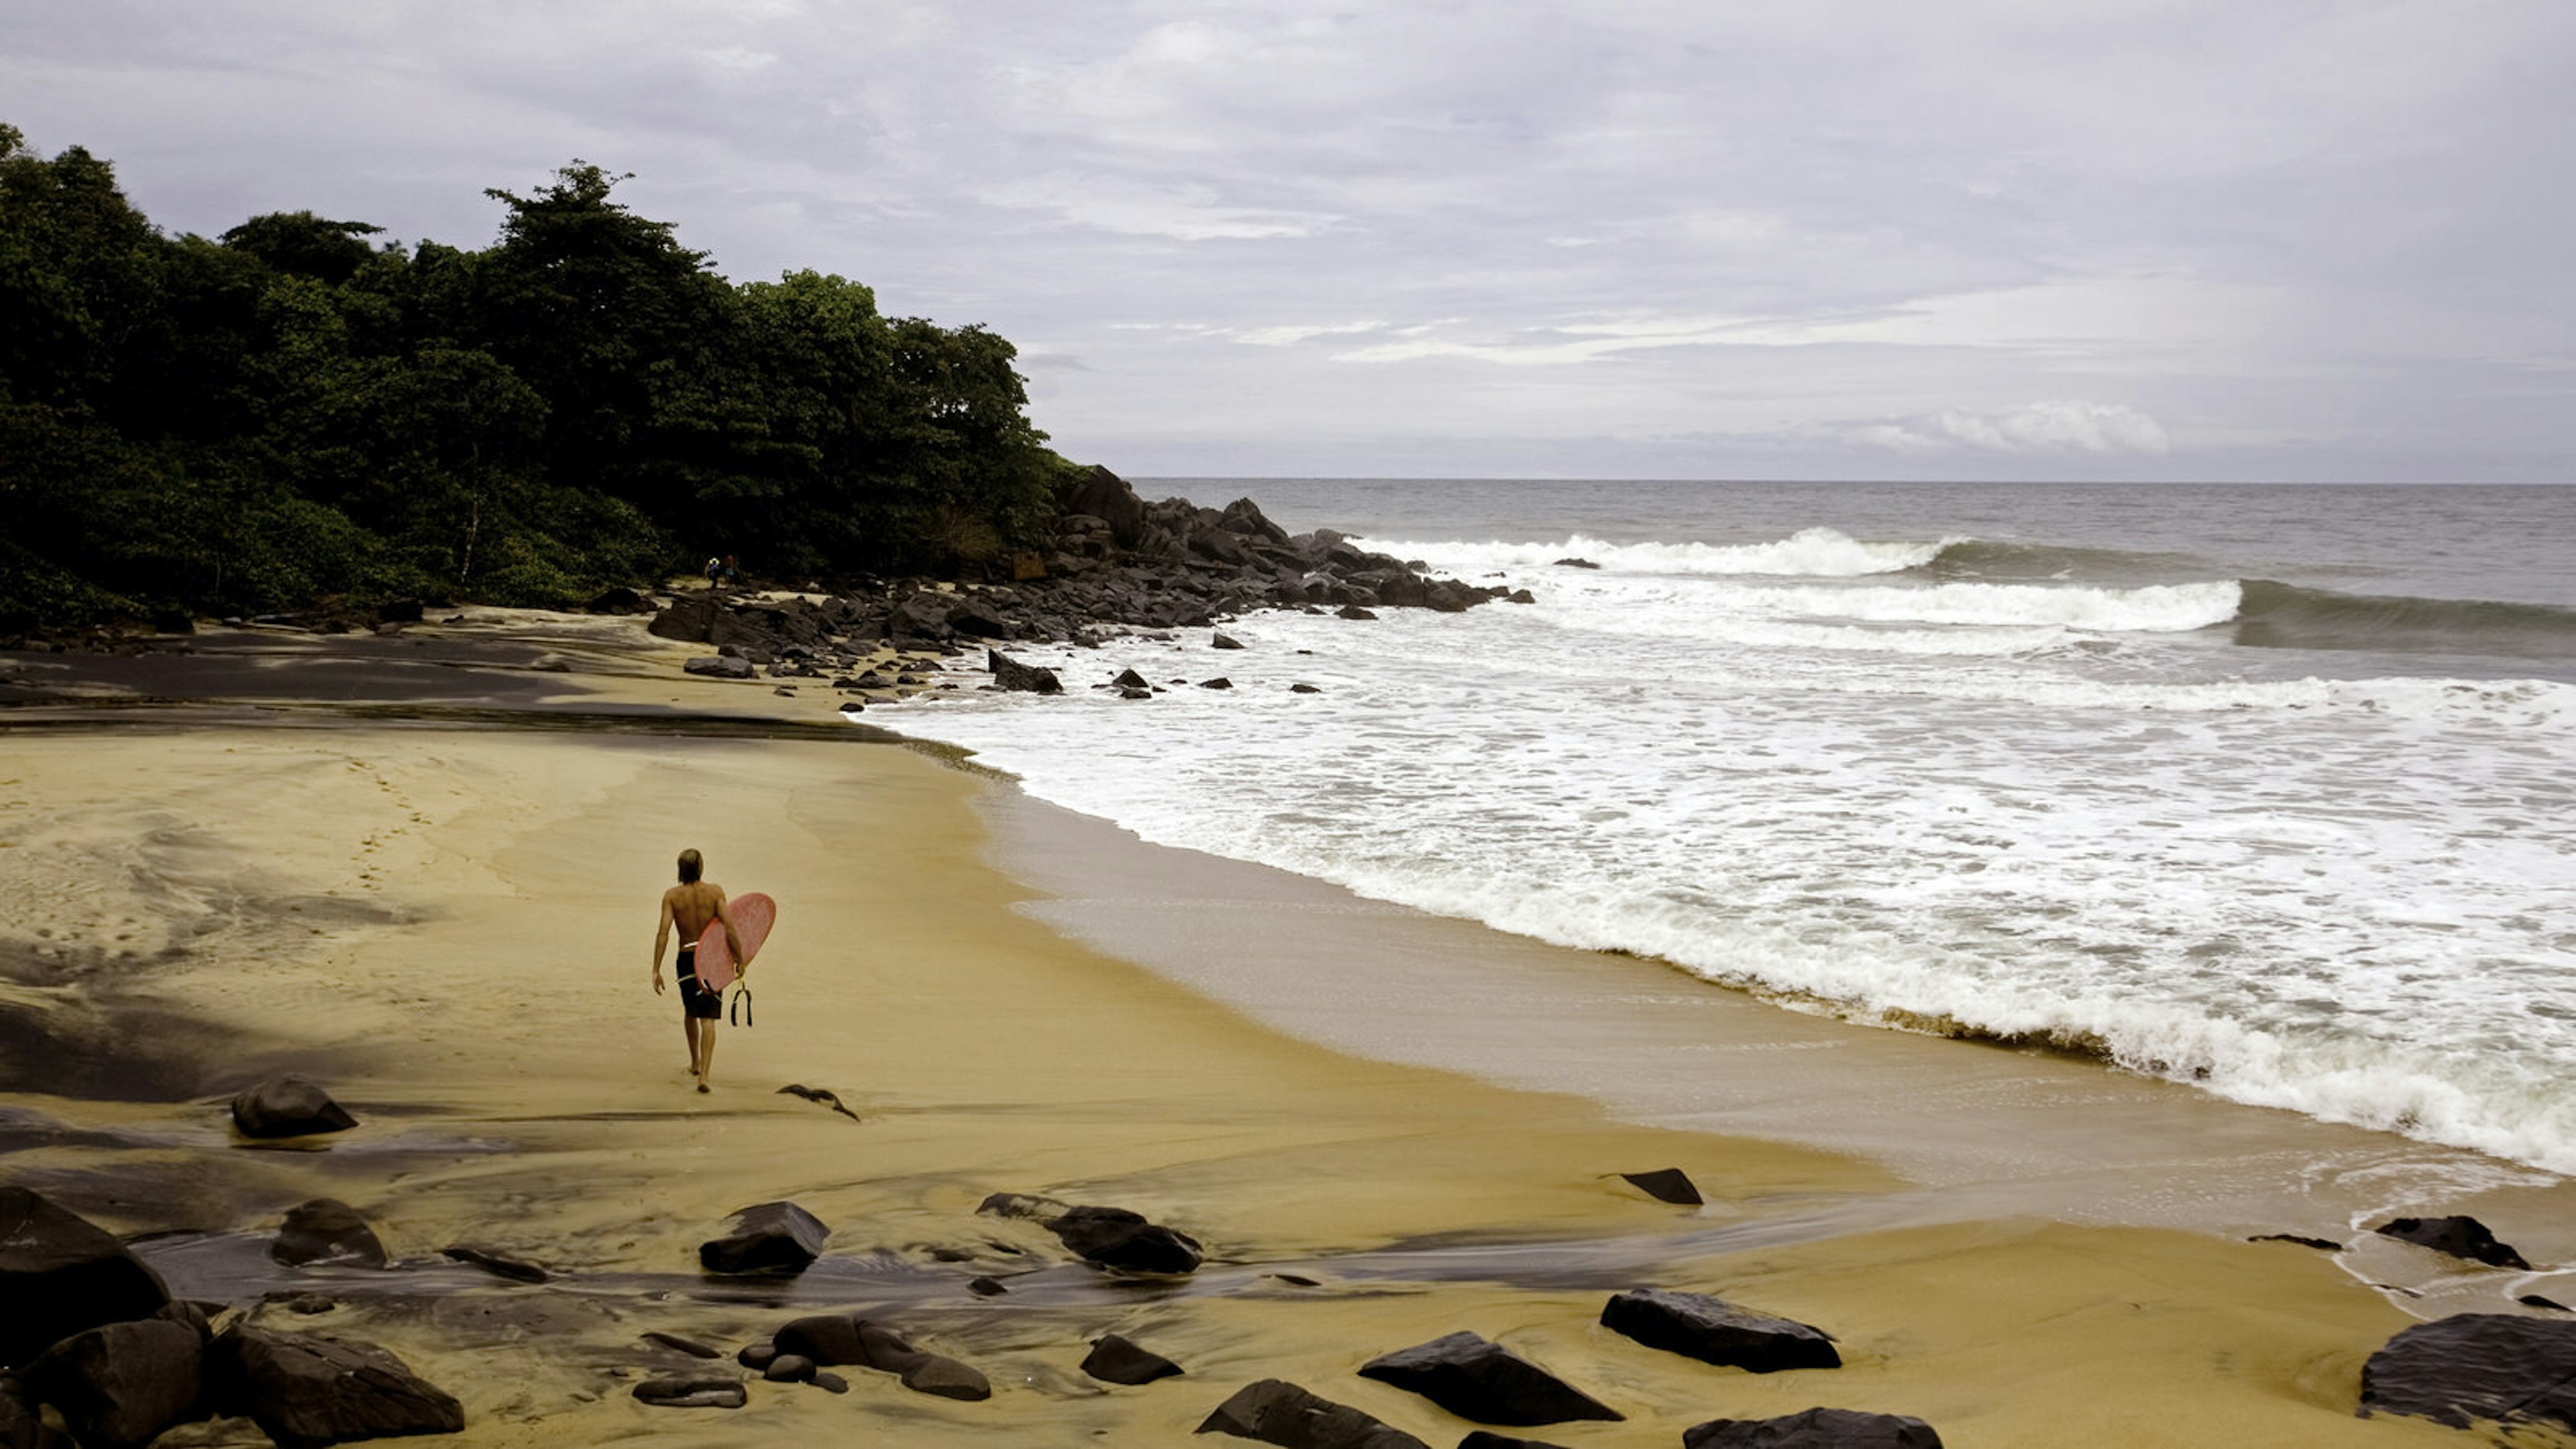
(449, 926)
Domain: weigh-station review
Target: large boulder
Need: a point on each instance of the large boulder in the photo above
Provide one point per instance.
(2499, 1366)
(119, 1385)
(1243, 516)
(1713, 1330)
(1275, 1411)
(975, 619)
(921, 617)
(304, 1390)
(1478, 1379)
(1814, 1429)
(769, 1237)
(60, 1273)
(2461, 1237)
(1105, 496)
(1009, 673)
(288, 1106)
(327, 1231)
(1116, 1360)
(687, 620)
(720, 666)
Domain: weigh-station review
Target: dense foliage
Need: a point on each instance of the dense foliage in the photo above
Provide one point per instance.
(295, 411)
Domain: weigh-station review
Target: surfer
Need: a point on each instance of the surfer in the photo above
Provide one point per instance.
(691, 905)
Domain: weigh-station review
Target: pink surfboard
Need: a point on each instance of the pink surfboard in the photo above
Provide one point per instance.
(753, 914)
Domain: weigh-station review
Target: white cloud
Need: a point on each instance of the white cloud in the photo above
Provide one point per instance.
(2063, 425)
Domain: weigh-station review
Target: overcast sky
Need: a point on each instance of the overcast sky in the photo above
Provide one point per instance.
(2247, 239)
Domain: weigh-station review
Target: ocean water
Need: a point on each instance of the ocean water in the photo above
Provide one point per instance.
(2264, 789)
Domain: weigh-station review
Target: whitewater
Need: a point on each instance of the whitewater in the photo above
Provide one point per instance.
(2279, 807)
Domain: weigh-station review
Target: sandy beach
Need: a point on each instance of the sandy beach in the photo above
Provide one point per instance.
(445, 918)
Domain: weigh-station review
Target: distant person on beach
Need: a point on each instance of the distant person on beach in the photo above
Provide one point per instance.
(715, 570)
(691, 905)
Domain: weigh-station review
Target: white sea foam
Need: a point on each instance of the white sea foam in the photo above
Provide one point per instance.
(2024, 811)
(1808, 553)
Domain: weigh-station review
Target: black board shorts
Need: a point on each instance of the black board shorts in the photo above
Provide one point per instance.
(695, 998)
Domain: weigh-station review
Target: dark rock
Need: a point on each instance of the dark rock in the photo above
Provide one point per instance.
(398, 611)
(1116, 1360)
(20, 1425)
(2323, 1245)
(2500, 1366)
(688, 620)
(1275, 1411)
(693, 1391)
(825, 1338)
(689, 1346)
(1303, 689)
(1576, 563)
(977, 621)
(789, 1368)
(1146, 693)
(1117, 1238)
(2534, 1300)
(328, 1231)
(1010, 673)
(305, 1390)
(720, 666)
(829, 1382)
(757, 1356)
(1481, 1439)
(834, 1340)
(1666, 1184)
(619, 601)
(1478, 1379)
(501, 1265)
(1814, 1429)
(986, 1287)
(310, 1304)
(1130, 679)
(769, 1237)
(1220, 682)
(1227, 641)
(1102, 494)
(946, 1378)
(60, 1274)
(118, 1386)
(1020, 1205)
(1520, 596)
(1353, 611)
(923, 616)
(288, 1106)
(2461, 1237)
(1713, 1330)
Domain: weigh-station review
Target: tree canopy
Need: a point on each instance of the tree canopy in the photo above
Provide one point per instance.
(296, 410)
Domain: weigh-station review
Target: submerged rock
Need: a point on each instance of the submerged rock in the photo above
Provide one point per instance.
(1476, 1378)
(1814, 1429)
(2499, 1366)
(1713, 1330)
(2461, 1237)
(327, 1231)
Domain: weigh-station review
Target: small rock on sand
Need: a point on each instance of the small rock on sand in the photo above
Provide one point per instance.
(288, 1106)
(1814, 1429)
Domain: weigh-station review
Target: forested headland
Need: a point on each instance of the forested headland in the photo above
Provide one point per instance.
(298, 411)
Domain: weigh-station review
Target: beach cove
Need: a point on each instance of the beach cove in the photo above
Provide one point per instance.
(441, 918)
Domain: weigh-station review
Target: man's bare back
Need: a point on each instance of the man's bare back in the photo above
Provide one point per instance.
(692, 905)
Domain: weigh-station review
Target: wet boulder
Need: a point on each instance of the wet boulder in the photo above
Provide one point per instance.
(1226, 641)
(706, 1389)
(1275, 1411)
(1009, 673)
(1130, 679)
(61, 1273)
(119, 1385)
(1814, 1429)
(1116, 1238)
(2497, 1366)
(288, 1106)
(1117, 1360)
(326, 1231)
(2461, 1237)
(769, 1237)
(305, 1390)
(829, 1340)
(1480, 1380)
(1713, 1330)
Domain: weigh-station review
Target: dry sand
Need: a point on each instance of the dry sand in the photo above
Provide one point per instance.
(450, 927)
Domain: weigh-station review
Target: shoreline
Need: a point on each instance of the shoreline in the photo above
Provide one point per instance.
(1419, 1201)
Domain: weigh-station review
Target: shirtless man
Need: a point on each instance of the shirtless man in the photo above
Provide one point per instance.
(691, 904)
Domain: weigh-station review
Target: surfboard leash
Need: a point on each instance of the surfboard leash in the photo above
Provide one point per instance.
(739, 1013)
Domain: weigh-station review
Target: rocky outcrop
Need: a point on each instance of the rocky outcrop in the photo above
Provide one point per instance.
(60, 1273)
(1116, 1360)
(2496, 1366)
(1275, 1411)
(769, 1237)
(1713, 1330)
(119, 1385)
(288, 1106)
(2461, 1237)
(1814, 1429)
(328, 1231)
(1480, 1380)
(304, 1390)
